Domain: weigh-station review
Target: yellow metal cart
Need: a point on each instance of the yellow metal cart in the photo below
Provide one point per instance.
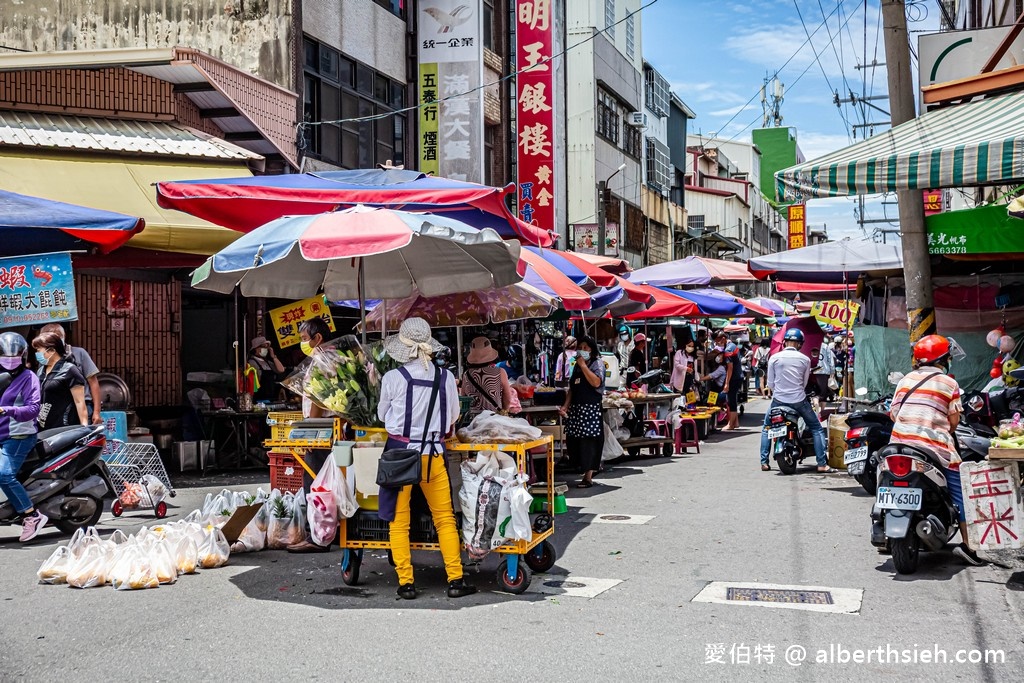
(538, 554)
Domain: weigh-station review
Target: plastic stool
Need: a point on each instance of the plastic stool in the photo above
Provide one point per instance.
(660, 426)
(690, 425)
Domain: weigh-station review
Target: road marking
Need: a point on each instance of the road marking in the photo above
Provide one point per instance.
(612, 518)
(809, 598)
(570, 586)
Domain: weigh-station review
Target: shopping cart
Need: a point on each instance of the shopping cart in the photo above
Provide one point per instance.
(129, 465)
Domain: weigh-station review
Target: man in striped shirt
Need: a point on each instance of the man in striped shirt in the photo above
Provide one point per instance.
(926, 410)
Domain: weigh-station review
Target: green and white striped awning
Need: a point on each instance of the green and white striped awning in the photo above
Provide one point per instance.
(979, 143)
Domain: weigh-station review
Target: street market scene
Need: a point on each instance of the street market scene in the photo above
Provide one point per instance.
(334, 334)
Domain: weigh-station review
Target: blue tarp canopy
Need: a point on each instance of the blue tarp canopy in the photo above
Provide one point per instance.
(38, 226)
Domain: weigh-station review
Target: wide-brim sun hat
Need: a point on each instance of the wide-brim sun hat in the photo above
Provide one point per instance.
(481, 352)
(257, 342)
(412, 341)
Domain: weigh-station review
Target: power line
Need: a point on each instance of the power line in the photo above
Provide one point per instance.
(832, 91)
(432, 103)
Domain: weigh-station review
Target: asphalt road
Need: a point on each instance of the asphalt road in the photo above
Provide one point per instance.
(716, 517)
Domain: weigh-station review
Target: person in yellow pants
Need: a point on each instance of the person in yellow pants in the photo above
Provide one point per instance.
(419, 405)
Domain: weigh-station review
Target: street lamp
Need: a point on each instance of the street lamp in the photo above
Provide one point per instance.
(602, 226)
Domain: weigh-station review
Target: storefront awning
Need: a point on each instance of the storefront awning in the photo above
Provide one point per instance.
(979, 143)
(125, 186)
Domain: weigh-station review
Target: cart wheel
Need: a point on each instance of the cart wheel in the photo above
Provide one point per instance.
(542, 558)
(634, 452)
(391, 559)
(521, 583)
(161, 510)
(117, 509)
(350, 567)
(173, 493)
(668, 450)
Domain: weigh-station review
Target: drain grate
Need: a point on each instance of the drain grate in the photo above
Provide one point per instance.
(615, 518)
(784, 595)
(564, 584)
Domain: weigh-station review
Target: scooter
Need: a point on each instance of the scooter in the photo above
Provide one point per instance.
(65, 478)
(913, 509)
(791, 440)
(868, 433)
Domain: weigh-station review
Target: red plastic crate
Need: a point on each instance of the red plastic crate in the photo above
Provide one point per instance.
(281, 463)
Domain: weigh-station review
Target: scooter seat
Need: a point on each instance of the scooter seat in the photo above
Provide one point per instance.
(53, 441)
(868, 417)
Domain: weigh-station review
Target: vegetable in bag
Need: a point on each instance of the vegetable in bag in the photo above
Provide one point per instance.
(91, 568)
(132, 569)
(54, 569)
(186, 555)
(322, 503)
(214, 551)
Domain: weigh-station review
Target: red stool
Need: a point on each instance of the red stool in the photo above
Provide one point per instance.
(690, 425)
(660, 426)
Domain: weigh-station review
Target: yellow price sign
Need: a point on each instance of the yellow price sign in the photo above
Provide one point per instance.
(713, 398)
(691, 398)
(836, 313)
(286, 319)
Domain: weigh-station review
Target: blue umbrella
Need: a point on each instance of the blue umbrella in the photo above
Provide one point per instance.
(709, 303)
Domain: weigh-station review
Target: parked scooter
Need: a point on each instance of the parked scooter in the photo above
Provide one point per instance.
(913, 510)
(868, 433)
(65, 478)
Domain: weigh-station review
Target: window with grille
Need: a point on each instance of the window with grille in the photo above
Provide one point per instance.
(657, 165)
(609, 18)
(656, 92)
(631, 141)
(336, 87)
(607, 116)
(630, 37)
(695, 222)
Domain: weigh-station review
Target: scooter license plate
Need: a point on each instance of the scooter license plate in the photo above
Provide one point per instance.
(777, 432)
(898, 498)
(856, 455)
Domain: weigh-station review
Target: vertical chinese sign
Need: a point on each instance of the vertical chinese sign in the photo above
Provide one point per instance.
(451, 131)
(933, 201)
(797, 226)
(37, 290)
(535, 112)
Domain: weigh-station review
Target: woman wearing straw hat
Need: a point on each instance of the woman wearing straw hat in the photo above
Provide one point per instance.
(484, 382)
(419, 405)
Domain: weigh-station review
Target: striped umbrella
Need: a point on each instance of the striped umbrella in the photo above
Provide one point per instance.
(979, 143)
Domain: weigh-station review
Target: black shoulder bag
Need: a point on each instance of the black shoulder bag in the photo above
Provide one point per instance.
(400, 467)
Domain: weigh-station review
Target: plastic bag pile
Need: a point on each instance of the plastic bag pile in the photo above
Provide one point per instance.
(495, 503)
(489, 427)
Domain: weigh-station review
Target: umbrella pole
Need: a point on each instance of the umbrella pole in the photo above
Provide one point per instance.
(238, 369)
(522, 337)
(458, 347)
(384, 319)
(362, 300)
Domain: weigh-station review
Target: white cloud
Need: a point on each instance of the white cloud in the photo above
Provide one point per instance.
(814, 145)
(732, 111)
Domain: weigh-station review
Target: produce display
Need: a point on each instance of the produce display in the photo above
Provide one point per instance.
(1011, 434)
(489, 427)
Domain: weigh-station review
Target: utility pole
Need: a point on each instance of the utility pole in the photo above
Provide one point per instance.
(917, 269)
(602, 225)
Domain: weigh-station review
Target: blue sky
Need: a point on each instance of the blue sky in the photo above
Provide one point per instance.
(716, 54)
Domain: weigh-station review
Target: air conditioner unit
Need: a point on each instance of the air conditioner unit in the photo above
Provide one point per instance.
(637, 118)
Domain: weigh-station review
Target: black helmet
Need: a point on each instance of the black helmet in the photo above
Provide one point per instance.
(13, 344)
(443, 357)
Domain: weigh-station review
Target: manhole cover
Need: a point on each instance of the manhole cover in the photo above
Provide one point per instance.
(800, 597)
(564, 584)
(615, 518)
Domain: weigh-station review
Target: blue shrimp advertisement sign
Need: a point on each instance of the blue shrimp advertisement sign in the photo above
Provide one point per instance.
(35, 290)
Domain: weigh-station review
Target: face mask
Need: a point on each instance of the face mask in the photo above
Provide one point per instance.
(689, 349)
(10, 362)
(41, 357)
(624, 337)
(263, 352)
(306, 348)
(585, 355)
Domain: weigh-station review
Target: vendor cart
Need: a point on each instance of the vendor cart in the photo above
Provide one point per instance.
(513, 576)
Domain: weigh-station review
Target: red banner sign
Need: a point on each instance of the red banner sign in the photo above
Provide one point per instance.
(797, 226)
(535, 113)
(933, 201)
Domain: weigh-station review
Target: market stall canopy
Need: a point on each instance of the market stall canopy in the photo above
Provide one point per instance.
(830, 261)
(747, 305)
(813, 337)
(123, 185)
(397, 252)
(44, 226)
(615, 302)
(612, 264)
(815, 289)
(245, 203)
(482, 307)
(978, 143)
(540, 257)
(548, 279)
(667, 304)
(774, 306)
(568, 263)
(692, 271)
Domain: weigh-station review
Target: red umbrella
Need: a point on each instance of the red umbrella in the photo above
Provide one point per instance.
(549, 279)
(813, 337)
(609, 263)
(665, 305)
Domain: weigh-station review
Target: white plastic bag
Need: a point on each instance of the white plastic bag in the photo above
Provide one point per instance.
(162, 559)
(489, 427)
(485, 501)
(214, 550)
(254, 535)
(54, 569)
(519, 504)
(91, 568)
(186, 555)
(612, 448)
(81, 540)
(132, 569)
(156, 488)
(284, 529)
(322, 503)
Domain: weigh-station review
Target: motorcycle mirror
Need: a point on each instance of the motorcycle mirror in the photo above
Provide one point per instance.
(895, 377)
(861, 391)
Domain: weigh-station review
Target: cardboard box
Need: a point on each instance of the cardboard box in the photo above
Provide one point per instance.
(1006, 454)
(837, 429)
(244, 514)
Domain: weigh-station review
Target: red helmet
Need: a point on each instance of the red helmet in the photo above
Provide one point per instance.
(931, 349)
